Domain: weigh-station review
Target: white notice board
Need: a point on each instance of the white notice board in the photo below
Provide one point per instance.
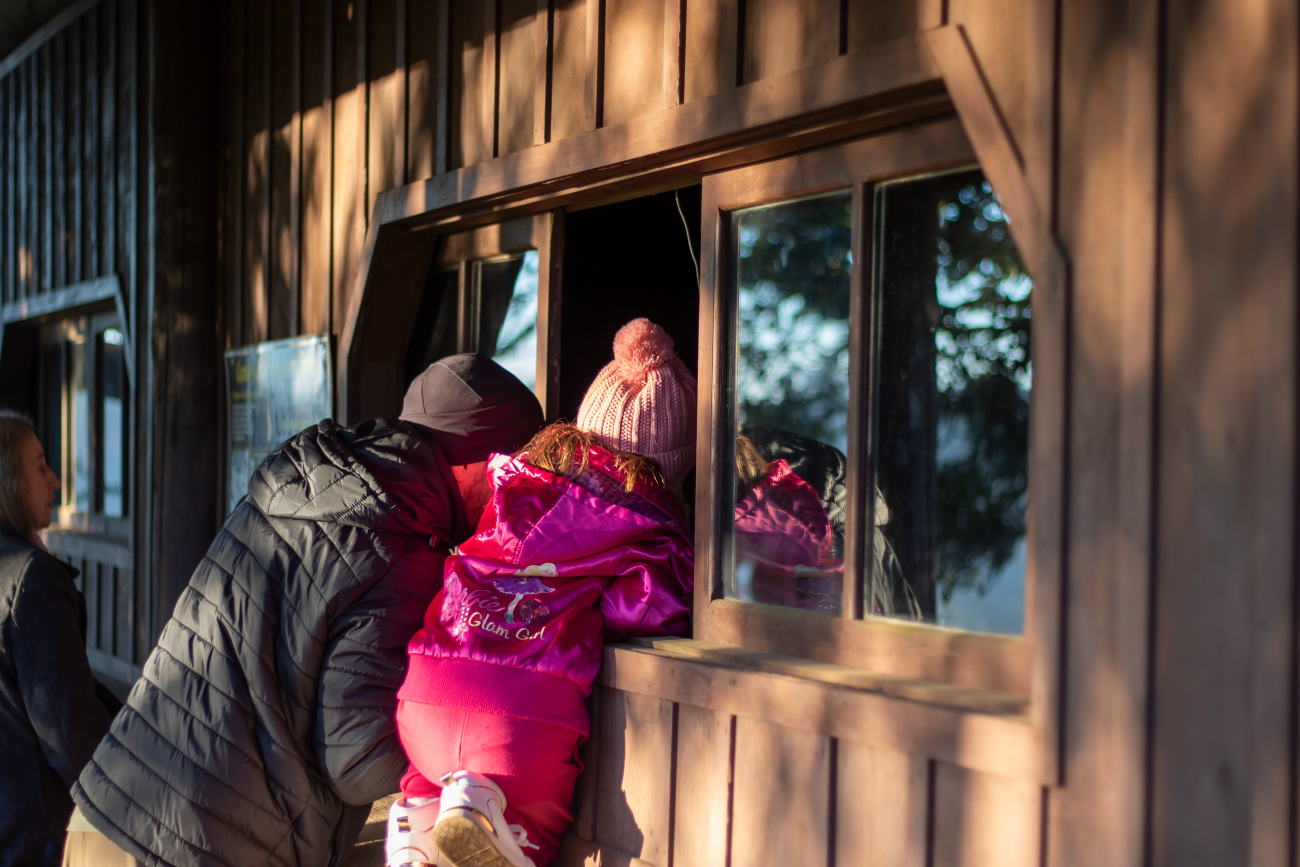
(274, 390)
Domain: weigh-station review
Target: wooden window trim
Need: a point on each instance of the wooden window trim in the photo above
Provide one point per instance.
(392, 321)
(898, 648)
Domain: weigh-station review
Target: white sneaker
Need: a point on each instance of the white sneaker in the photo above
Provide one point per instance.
(472, 829)
(410, 833)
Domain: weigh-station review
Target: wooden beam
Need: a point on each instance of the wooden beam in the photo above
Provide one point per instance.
(105, 288)
(545, 60)
(595, 90)
(491, 87)
(674, 52)
(43, 34)
(442, 144)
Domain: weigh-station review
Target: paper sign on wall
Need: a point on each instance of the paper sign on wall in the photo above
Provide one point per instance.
(274, 390)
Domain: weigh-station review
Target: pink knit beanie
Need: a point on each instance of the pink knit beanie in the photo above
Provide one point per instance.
(644, 400)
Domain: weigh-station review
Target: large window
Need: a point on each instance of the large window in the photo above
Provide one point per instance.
(83, 415)
(872, 379)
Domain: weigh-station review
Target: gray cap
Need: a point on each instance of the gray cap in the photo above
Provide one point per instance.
(473, 407)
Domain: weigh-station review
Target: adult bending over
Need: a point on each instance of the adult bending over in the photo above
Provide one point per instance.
(263, 725)
(52, 712)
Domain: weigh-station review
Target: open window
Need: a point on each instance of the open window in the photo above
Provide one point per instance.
(865, 499)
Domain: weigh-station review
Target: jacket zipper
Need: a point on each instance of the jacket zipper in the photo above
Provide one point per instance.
(334, 838)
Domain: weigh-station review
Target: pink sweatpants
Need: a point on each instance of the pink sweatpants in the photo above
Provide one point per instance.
(535, 764)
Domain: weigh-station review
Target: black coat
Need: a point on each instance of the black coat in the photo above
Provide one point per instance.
(269, 702)
(52, 712)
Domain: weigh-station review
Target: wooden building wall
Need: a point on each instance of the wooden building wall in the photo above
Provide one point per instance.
(231, 193)
(1160, 139)
(106, 122)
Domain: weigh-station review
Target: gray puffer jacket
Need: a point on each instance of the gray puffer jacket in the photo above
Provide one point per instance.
(268, 704)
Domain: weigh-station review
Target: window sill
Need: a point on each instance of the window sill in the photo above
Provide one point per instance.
(982, 731)
(926, 692)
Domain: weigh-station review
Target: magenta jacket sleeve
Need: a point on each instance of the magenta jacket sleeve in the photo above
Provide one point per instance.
(652, 593)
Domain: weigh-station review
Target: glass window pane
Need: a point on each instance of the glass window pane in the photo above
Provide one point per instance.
(51, 422)
(791, 389)
(953, 386)
(80, 422)
(508, 305)
(113, 417)
(436, 323)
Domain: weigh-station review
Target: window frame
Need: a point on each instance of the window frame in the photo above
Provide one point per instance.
(466, 251)
(91, 323)
(895, 648)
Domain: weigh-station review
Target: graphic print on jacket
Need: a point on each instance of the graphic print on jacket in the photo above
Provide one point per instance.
(558, 565)
(269, 702)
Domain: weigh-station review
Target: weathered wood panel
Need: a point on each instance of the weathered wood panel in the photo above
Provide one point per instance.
(233, 167)
(871, 22)
(257, 171)
(783, 35)
(702, 820)
(45, 172)
(386, 73)
(1225, 535)
(712, 46)
(424, 35)
(981, 819)
(466, 143)
(58, 206)
(1107, 169)
(882, 807)
(634, 59)
(569, 69)
(285, 149)
(349, 168)
(768, 826)
(634, 775)
(518, 70)
(317, 166)
(90, 149)
(108, 150)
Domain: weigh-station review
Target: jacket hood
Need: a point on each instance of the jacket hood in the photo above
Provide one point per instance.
(380, 475)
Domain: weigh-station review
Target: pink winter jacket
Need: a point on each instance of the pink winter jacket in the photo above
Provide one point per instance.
(557, 565)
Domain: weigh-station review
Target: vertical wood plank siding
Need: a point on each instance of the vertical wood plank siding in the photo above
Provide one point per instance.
(1172, 190)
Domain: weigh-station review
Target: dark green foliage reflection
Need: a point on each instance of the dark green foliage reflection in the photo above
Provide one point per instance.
(954, 383)
(792, 332)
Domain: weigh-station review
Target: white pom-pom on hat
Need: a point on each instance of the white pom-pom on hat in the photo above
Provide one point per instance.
(644, 400)
(639, 347)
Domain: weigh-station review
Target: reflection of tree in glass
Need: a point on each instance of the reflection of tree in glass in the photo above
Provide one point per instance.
(983, 375)
(793, 326)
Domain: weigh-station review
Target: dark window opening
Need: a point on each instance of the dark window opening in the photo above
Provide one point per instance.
(622, 261)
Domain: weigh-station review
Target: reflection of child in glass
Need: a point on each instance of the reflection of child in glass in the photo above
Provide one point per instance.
(789, 518)
(584, 536)
(783, 535)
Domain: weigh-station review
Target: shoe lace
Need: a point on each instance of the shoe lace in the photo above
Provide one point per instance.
(521, 836)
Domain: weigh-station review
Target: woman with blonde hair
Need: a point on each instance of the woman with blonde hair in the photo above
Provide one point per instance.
(52, 712)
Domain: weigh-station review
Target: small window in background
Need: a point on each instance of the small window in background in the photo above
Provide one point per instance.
(112, 374)
(79, 424)
(952, 408)
(792, 266)
(508, 314)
